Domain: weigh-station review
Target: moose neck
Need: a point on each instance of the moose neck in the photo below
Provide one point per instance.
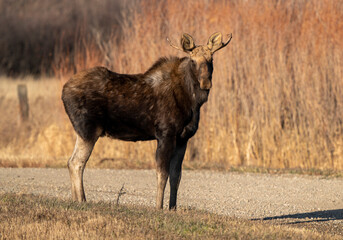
(181, 75)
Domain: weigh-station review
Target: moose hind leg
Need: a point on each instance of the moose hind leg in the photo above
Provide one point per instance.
(175, 172)
(76, 166)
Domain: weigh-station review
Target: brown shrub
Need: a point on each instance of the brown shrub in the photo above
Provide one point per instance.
(35, 33)
(276, 100)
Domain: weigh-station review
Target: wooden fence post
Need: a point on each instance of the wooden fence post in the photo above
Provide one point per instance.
(23, 102)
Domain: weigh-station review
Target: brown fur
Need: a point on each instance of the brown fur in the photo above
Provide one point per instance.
(163, 104)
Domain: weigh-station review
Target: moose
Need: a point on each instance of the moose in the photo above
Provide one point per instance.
(161, 104)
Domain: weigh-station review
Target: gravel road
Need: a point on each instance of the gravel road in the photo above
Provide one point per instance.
(245, 195)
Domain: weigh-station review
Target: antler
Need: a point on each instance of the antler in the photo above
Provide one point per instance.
(223, 44)
(171, 44)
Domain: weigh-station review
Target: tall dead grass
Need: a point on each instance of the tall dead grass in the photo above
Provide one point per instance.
(33, 31)
(276, 100)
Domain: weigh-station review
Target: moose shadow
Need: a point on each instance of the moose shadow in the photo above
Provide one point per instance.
(317, 216)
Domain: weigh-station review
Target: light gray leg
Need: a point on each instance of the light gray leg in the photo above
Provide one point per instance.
(162, 177)
(76, 165)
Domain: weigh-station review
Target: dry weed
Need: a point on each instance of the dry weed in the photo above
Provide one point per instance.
(33, 217)
(277, 90)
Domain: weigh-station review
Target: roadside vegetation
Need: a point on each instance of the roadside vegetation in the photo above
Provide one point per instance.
(277, 97)
(35, 217)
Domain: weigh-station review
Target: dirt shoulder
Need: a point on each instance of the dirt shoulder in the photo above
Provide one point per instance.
(295, 200)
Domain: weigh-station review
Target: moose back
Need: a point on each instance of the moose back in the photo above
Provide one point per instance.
(163, 104)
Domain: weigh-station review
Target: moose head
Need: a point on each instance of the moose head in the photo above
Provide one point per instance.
(202, 55)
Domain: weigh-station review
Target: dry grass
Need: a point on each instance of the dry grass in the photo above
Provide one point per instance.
(32, 217)
(277, 90)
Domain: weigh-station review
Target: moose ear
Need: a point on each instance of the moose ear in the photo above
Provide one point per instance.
(187, 42)
(215, 41)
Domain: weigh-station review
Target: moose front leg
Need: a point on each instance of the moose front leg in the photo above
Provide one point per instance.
(165, 148)
(175, 171)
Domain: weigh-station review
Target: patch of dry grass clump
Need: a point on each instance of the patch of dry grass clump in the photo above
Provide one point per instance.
(27, 217)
